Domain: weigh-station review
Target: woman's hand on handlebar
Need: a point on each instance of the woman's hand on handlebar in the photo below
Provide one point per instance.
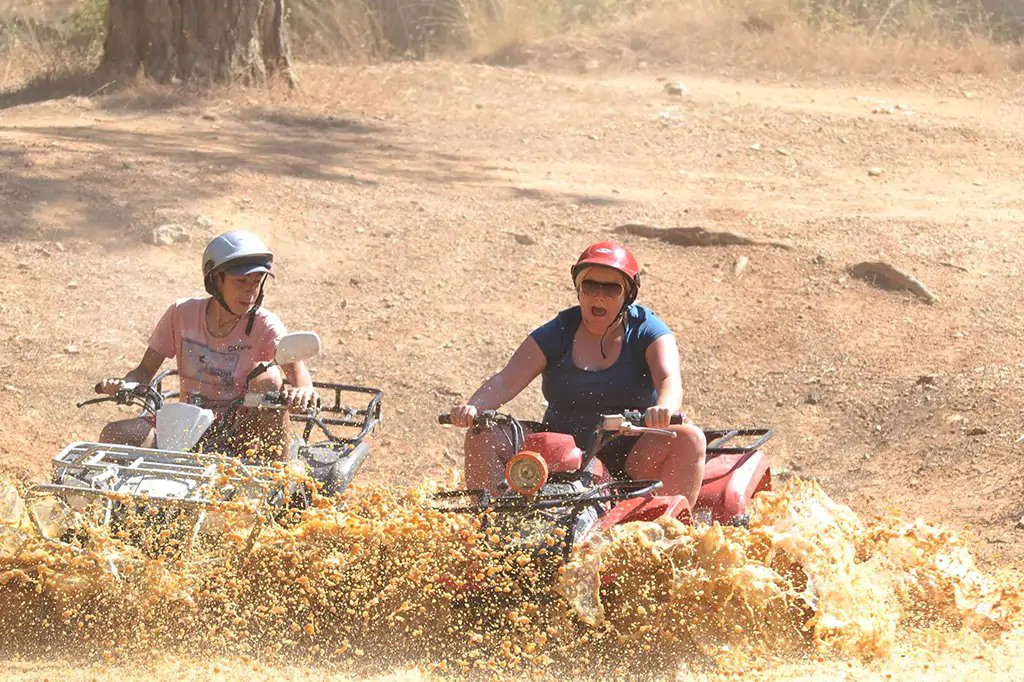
(300, 398)
(463, 415)
(658, 417)
(109, 386)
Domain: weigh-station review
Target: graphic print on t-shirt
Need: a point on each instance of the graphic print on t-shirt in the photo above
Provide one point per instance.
(213, 369)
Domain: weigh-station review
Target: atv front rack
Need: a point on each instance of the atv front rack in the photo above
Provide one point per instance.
(337, 414)
(610, 491)
(117, 474)
(331, 413)
(718, 438)
(102, 469)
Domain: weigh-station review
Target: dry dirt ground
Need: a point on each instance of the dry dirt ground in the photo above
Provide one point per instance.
(425, 218)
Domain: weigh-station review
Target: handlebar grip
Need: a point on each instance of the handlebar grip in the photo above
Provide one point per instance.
(636, 417)
(98, 388)
(444, 418)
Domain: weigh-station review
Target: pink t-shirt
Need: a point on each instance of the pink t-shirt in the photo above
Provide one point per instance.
(208, 366)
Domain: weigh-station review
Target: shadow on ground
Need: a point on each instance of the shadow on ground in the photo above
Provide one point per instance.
(114, 179)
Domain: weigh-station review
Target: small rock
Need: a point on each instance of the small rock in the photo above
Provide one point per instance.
(210, 116)
(58, 246)
(885, 276)
(977, 431)
(71, 350)
(165, 235)
(819, 260)
(525, 239)
(927, 379)
(676, 88)
(72, 285)
(592, 65)
(782, 152)
(1020, 522)
(740, 265)
(12, 388)
(874, 172)
(756, 147)
(204, 221)
(812, 399)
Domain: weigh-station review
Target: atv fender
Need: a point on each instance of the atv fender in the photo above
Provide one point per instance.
(647, 509)
(558, 450)
(730, 481)
(334, 465)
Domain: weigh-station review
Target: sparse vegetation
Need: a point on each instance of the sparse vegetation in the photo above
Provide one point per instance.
(42, 38)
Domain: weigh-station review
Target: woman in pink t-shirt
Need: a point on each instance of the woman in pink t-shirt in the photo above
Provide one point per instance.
(216, 341)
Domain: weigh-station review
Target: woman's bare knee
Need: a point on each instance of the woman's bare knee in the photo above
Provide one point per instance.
(689, 440)
(270, 381)
(486, 453)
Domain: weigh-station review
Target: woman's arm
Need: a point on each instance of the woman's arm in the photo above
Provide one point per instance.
(298, 391)
(143, 373)
(524, 366)
(663, 360)
(297, 374)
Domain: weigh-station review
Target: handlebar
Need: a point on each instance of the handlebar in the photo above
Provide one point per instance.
(483, 418)
(274, 400)
(636, 417)
(130, 393)
(610, 422)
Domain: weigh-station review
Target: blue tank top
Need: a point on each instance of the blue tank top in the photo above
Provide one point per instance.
(576, 397)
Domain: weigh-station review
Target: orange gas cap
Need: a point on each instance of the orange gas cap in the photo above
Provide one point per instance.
(526, 472)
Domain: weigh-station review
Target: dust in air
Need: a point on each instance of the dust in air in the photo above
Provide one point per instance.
(380, 585)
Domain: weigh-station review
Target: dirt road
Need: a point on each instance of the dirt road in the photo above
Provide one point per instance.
(425, 218)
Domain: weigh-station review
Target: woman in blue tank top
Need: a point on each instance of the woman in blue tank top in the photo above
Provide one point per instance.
(603, 356)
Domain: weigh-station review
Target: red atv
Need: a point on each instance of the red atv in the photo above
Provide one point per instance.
(554, 490)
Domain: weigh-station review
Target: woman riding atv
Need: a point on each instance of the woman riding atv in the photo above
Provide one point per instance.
(603, 356)
(217, 341)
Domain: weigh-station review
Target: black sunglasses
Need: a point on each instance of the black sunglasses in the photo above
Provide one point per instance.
(590, 287)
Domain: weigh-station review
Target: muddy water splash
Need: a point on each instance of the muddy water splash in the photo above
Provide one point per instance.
(383, 583)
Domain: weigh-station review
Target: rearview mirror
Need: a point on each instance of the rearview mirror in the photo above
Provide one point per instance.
(297, 346)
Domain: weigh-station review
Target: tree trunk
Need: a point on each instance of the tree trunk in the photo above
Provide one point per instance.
(198, 40)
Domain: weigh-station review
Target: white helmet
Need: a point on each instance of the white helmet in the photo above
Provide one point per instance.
(237, 253)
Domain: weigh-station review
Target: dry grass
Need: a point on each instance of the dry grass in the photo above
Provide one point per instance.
(739, 39)
(49, 47)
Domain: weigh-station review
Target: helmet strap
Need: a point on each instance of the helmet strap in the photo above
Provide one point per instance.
(618, 317)
(256, 307)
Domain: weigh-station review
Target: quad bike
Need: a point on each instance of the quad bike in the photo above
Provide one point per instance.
(178, 480)
(557, 496)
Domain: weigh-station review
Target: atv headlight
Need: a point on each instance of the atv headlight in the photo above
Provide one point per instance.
(526, 473)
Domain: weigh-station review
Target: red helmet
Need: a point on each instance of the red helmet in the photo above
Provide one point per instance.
(615, 256)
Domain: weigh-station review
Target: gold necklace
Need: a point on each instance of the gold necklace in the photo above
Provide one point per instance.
(221, 332)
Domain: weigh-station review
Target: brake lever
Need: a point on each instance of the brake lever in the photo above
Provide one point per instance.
(628, 429)
(93, 401)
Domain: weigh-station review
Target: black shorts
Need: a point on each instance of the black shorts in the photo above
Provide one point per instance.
(613, 454)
